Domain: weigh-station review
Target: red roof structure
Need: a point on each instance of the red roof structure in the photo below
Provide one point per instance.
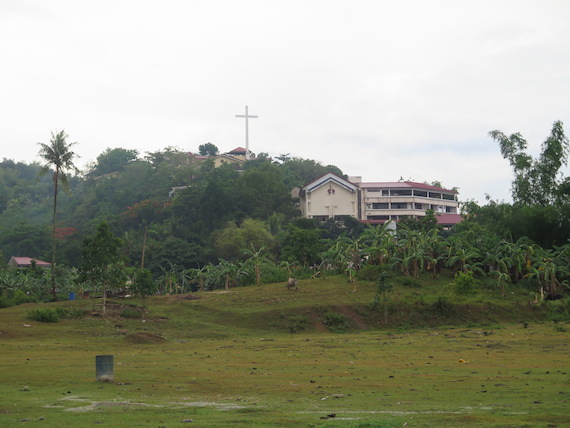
(403, 185)
(445, 220)
(27, 262)
(449, 219)
(237, 151)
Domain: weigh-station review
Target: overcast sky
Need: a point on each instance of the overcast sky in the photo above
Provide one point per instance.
(381, 89)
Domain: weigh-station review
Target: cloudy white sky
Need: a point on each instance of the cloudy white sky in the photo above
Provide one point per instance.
(381, 89)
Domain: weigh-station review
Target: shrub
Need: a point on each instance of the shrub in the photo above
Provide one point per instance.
(131, 312)
(337, 323)
(442, 305)
(408, 281)
(463, 284)
(21, 297)
(43, 315)
(529, 283)
(298, 323)
(558, 310)
(370, 272)
(383, 287)
(69, 313)
(271, 273)
(5, 302)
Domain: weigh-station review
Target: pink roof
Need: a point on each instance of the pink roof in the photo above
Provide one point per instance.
(402, 185)
(238, 150)
(27, 261)
(449, 218)
(443, 219)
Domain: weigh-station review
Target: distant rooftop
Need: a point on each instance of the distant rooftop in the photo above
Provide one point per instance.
(402, 185)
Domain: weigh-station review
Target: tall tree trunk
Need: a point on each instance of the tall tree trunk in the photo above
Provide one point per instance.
(144, 246)
(54, 219)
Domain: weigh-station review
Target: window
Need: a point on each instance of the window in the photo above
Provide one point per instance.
(448, 197)
(380, 206)
(399, 206)
(435, 195)
(378, 217)
(385, 192)
(421, 193)
(402, 192)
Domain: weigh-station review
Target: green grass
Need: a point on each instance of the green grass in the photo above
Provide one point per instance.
(230, 359)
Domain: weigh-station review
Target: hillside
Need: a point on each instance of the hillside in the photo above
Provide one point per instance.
(316, 305)
(266, 356)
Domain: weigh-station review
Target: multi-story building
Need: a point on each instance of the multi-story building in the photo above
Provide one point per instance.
(377, 202)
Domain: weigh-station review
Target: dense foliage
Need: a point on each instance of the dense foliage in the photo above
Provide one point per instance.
(189, 226)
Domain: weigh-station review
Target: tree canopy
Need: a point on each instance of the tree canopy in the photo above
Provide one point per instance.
(208, 149)
(537, 181)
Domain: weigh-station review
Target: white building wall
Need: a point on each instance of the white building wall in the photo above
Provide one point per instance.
(331, 200)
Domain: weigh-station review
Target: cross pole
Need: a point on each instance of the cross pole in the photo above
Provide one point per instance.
(247, 117)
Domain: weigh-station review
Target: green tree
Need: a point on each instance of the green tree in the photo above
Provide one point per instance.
(424, 223)
(378, 242)
(299, 171)
(383, 288)
(412, 250)
(231, 241)
(199, 275)
(174, 251)
(208, 149)
(230, 272)
(537, 181)
(171, 156)
(263, 192)
(102, 263)
(58, 157)
(304, 245)
(143, 284)
(255, 260)
(112, 160)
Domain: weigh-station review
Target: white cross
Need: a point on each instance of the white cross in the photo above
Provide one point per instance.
(247, 116)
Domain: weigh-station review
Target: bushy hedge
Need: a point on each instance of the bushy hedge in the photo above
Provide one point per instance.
(43, 315)
(54, 315)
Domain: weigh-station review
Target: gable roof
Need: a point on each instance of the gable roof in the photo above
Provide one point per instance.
(449, 219)
(230, 157)
(238, 151)
(27, 262)
(326, 178)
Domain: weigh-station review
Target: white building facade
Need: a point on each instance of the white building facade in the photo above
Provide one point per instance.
(376, 202)
(398, 200)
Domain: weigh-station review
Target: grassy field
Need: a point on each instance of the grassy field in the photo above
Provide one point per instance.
(266, 356)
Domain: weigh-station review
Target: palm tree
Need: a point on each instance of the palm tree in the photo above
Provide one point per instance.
(256, 259)
(378, 242)
(230, 272)
(548, 268)
(58, 158)
(199, 275)
(435, 251)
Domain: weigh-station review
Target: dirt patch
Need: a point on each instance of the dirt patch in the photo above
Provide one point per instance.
(91, 405)
(140, 338)
(6, 335)
(352, 316)
(172, 298)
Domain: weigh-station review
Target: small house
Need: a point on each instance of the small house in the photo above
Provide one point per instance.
(26, 262)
